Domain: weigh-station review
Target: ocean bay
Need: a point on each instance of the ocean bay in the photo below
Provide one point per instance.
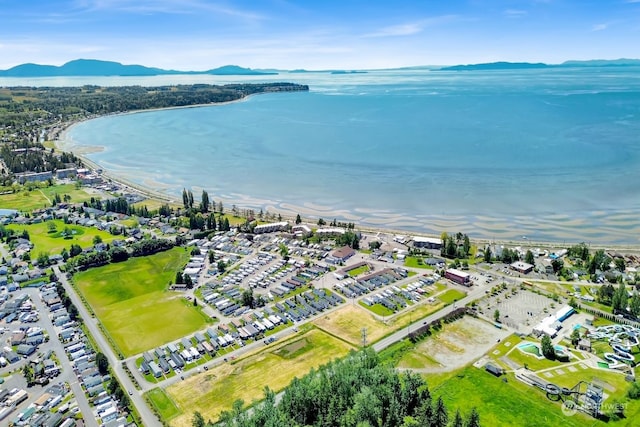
(550, 154)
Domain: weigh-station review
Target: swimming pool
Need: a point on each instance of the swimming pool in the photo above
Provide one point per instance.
(531, 348)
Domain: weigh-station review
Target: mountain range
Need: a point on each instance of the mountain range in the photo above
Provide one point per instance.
(93, 67)
(526, 65)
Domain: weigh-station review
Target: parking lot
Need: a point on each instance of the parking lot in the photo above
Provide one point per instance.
(519, 309)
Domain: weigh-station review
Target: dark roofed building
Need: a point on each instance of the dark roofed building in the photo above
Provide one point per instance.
(492, 369)
(343, 253)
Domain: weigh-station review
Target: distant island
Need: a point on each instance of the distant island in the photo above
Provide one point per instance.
(503, 65)
(496, 66)
(348, 72)
(99, 68)
(94, 67)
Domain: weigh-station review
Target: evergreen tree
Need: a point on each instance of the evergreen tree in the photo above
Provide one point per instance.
(204, 203)
(487, 254)
(187, 281)
(547, 347)
(474, 419)
(190, 199)
(634, 304)
(620, 299)
(466, 246)
(198, 420)
(457, 420)
(528, 258)
(425, 412)
(440, 414)
(185, 198)
(102, 363)
(298, 219)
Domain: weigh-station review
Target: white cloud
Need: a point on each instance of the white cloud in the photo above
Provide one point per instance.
(599, 27)
(165, 6)
(514, 13)
(411, 28)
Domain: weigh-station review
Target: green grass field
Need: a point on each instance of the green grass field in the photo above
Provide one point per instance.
(213, 391)
(131, 301)
(506, 401)
(163, 404)
(357, 271)
(452, 295)
(38, 198)
(416, 262)
(499, 403)
(53, 243)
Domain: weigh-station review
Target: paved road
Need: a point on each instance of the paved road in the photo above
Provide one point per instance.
(404, 332)
(149, 419)
(67, 371)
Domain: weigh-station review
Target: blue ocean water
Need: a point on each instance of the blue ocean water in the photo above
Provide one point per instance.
(551, 154)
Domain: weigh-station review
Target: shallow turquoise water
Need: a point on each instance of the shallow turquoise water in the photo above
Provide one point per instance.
(548, 154)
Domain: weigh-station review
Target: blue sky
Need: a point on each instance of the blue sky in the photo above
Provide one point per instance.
(316, 34)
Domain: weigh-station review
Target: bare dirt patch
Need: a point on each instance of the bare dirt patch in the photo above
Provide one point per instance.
(457, 345)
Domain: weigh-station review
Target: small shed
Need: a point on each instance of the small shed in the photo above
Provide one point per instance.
(493, 369)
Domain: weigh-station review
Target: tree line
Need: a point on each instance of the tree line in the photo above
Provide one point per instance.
(355, 391)
(145, 247)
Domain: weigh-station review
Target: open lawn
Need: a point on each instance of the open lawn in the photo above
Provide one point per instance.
(131, 300)
(452, 295)
(377, 308)
(534, 363)
(154, 204)
(416, 312)
(500, 403)
(214, 391)
(37, 198)
(52, 242)
(163, 404)
(359, 270)
(416, 262)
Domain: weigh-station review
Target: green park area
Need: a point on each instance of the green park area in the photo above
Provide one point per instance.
(132, 301)
(52, 236)
(358, 270)
(451, 296)
(416, 262)
(505, 400)
(28, 198)
(163, 404)
(215, 390)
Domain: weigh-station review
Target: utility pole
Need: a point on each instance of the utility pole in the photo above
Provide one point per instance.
(363, 332)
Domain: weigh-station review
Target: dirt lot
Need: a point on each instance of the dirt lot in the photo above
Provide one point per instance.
(457, 345)
(348, 321)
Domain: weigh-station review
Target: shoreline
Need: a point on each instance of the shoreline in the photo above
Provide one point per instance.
(366, 221)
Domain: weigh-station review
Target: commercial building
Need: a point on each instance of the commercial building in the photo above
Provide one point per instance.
(426, 242)
(522, 267)
(270, 228)
(343, 253)
(33, 176)
(458, 276)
